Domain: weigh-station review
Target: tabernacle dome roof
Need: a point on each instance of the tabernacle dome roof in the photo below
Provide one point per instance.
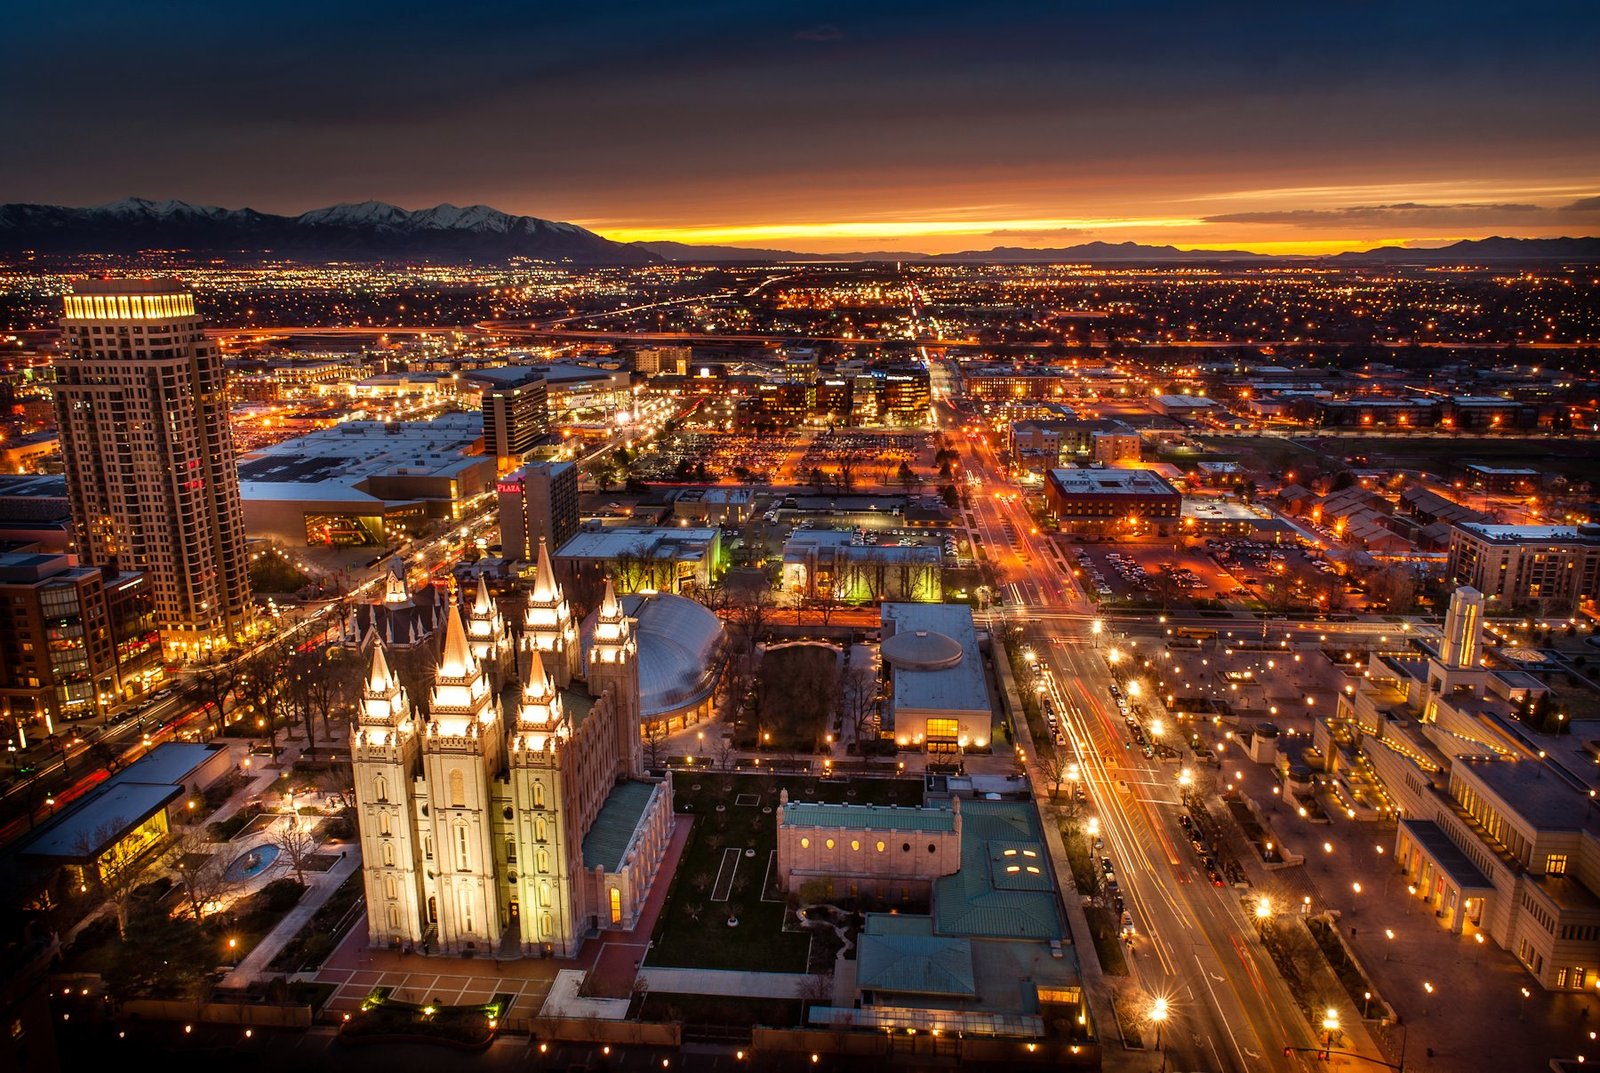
(921, 650)
(678, 651)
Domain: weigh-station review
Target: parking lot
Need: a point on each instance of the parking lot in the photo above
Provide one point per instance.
(1129, 571)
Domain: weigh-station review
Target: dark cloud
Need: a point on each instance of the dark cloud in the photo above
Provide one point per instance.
(827, 31)
(1413, 214)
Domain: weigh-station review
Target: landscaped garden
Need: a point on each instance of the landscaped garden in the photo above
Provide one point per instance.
(729, 867)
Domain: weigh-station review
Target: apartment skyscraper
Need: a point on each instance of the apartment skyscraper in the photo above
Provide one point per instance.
(151, 473)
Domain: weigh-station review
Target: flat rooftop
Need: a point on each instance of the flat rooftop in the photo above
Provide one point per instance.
(1533, 790)
(957, 688)
(1431, 837)
(650, 541)
(1523, 534)
(1110, 482)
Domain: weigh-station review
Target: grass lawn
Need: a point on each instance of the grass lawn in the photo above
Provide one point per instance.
(693, 930)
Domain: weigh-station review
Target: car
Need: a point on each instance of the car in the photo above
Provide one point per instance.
(1127, 923)
(1105, 866)
(162, 694)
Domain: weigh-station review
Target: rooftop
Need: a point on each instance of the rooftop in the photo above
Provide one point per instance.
(972, 903)
(1110, 482)
(958, 687)
(915, 964)
(608, 838)
(1521, 534)
(1431, 837)
(1536, 792)
(645, 541)
(868, 817)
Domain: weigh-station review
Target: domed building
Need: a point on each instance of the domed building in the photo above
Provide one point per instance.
(938, 696)
(679, 656)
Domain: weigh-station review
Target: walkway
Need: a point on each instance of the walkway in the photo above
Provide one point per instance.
(727, 982)
(319, 888)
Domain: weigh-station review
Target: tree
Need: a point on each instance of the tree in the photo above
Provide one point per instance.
(1062, 767)
(655, 736)
(858, 702)
(262, 680)
(722, 751)
(214, 683)
(296, 842)
(115, 879)
(198, 871)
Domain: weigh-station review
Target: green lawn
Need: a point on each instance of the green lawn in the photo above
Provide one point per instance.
(693, 930)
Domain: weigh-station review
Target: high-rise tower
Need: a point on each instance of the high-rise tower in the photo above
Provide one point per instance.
(141, 400)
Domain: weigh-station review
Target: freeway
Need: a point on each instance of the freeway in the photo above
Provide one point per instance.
(1229, 1008)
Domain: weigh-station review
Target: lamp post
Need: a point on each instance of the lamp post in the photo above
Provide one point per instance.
(1158, 1014)
(1330, 1025)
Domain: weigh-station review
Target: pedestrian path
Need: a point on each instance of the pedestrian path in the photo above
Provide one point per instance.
(319, 888)
(729, 982)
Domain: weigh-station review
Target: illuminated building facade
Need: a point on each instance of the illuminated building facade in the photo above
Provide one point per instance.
(142, 404)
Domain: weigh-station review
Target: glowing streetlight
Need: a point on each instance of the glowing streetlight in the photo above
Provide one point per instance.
(1158, 1015)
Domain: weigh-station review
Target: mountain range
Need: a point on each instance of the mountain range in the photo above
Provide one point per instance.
(365, 231)
(375, 230)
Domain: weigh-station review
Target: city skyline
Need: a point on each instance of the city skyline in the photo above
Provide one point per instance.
(862, 128)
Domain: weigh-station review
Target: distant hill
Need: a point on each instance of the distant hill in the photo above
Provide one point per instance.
(1494, 250)
(369, 230)
(1098, 253)
(686, 253)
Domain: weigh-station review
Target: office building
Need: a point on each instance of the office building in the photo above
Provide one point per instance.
(516, 417)
(537, 502)
(1112, 501)
(141, 399)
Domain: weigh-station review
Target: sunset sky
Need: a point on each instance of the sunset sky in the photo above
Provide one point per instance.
(861, 125)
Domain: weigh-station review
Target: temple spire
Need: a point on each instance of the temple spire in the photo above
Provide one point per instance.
(455, 658)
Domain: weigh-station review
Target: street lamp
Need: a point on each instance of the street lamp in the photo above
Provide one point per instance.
(1330, 1025)
(1158, 1014)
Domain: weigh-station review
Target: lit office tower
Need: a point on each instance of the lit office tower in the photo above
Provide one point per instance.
(151, 476)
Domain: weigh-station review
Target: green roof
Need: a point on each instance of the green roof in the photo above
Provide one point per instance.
(975, 903)
(868, 817)
(915, 964)
(613, 828)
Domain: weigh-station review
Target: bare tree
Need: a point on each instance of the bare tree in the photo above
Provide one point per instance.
(296, 842)
(262, 680)
(858, 702)
(655, 736)
(1060, 767)
(115, 879)
(199, 872)
(214, 683)
(722, 751)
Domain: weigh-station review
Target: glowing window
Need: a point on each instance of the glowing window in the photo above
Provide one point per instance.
(616, 906)
(880, 847)
(458, 789)
(830, 843)
(854, 844)
(805, 843)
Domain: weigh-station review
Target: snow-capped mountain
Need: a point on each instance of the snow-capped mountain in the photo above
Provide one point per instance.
(367, 230)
